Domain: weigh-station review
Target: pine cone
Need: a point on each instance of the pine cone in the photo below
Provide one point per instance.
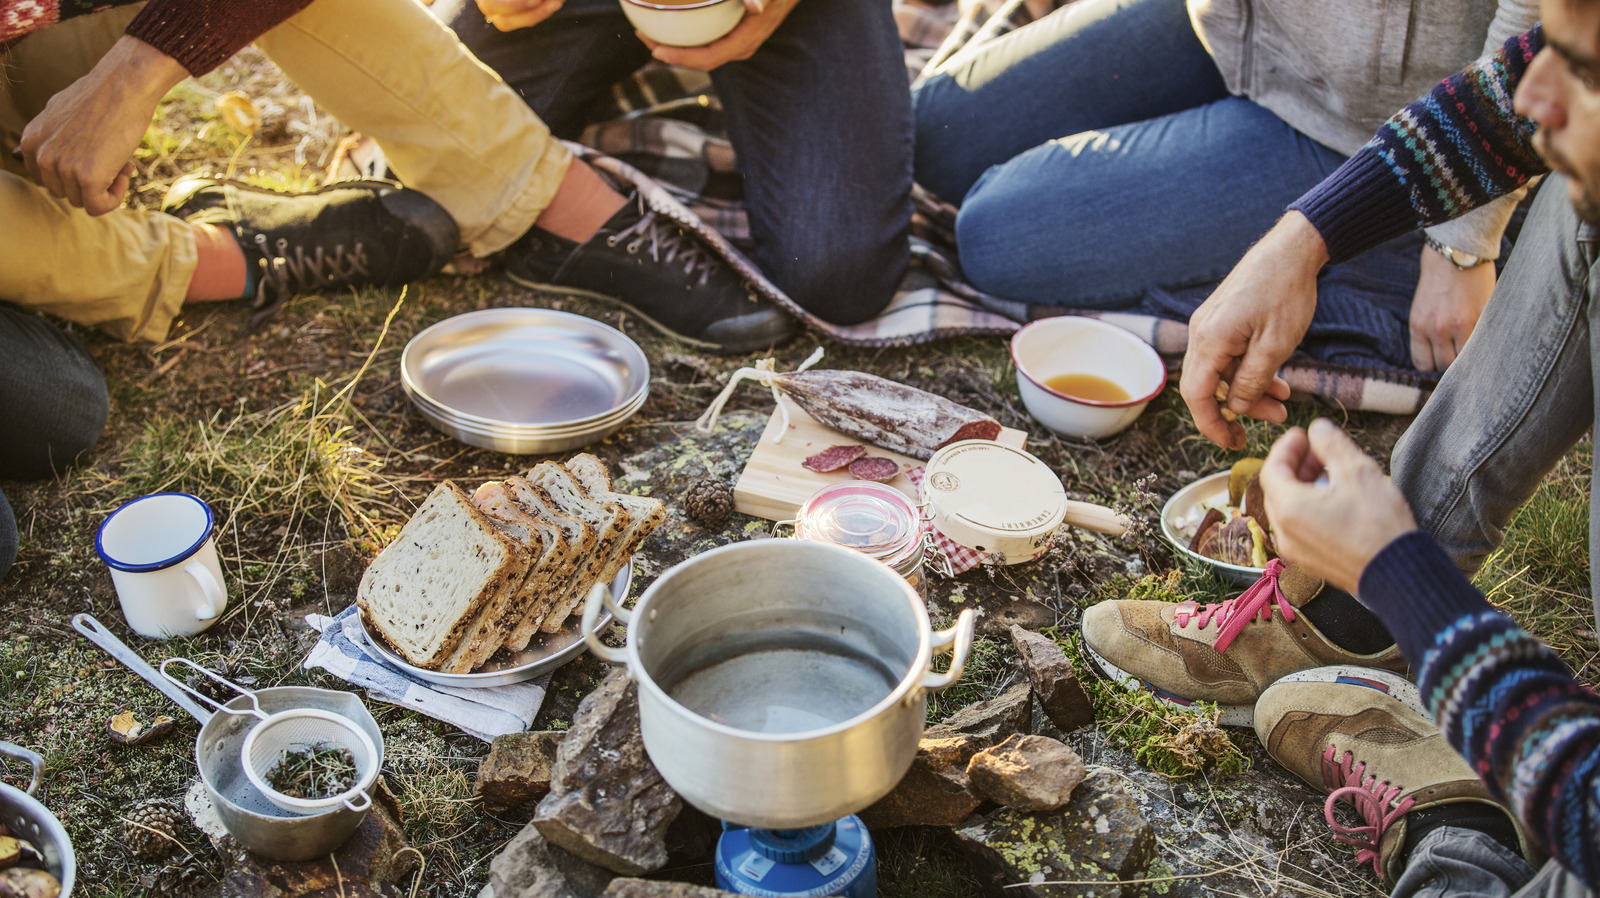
(708, 502)
(151, 829)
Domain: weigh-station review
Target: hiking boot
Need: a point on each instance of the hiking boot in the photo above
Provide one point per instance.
(661, 272)
(343, 234)
(1361, 744)
(1225, 653)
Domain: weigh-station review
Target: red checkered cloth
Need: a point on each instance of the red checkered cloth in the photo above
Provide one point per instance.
(958, 559)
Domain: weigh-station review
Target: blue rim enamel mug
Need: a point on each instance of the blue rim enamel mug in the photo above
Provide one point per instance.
(163, 561)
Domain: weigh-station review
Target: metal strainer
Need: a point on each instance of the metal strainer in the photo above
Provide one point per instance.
(291, 730)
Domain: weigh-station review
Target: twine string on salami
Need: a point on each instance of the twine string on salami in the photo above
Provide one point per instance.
(873, 409)
(763, 372)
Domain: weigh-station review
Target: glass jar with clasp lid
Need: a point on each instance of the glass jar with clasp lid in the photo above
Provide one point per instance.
(872, 518)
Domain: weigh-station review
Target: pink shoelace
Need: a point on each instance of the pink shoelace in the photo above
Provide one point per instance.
(1374, 801)
(1234, 614)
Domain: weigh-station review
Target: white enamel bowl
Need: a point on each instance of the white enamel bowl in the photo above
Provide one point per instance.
(1070, 344)
(684, 24)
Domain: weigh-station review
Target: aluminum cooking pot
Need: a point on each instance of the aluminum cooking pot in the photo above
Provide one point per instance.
(782, 684)
(28, 819)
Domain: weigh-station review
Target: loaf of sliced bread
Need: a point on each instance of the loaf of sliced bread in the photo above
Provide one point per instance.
(609, 519)
(435, 584)
(579, 534)
(646, 513)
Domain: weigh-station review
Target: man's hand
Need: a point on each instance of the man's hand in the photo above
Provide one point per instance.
(761, 18)
(79, 146)
(509, 15)
(1445, 309)
(1332, 530)
(1249, 327)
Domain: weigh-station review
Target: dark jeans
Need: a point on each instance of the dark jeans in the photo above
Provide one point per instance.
(53, 405)
(820, 118)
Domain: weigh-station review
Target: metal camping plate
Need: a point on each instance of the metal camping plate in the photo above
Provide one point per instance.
(525, 367)
(546, 652)
(1182, 514)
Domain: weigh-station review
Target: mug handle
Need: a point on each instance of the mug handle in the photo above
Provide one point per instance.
(601, 593)
(214, 598)
(958, 640)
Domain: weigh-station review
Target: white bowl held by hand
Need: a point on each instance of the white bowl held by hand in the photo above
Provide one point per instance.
(1054, 348)
(683, 24)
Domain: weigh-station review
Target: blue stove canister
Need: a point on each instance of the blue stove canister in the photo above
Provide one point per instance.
(831, 859)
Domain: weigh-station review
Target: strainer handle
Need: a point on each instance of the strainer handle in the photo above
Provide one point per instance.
(254, 705)
(23, 754)
(365, 802)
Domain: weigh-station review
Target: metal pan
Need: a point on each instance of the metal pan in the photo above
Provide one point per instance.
(546, 652)
(28, 819)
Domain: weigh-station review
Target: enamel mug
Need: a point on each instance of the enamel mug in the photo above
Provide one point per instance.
(163, 561)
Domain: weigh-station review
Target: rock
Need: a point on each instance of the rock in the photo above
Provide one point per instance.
(991, 720)
(531, 867)
(1097, 840)
(1053, 680)
(692, 838)
(608, 804)
(1027, 773)
(369, 864)
(651, 888)
(936, 791)
(517, 769)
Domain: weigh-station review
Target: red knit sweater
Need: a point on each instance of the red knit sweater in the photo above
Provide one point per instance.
(199, 34)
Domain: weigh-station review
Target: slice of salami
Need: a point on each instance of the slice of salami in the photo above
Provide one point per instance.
(882, 470)
(834, 458)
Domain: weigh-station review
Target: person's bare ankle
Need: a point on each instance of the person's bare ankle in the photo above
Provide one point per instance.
(219, 271)
(582, 203)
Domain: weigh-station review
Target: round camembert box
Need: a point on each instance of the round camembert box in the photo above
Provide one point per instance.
(995, 499)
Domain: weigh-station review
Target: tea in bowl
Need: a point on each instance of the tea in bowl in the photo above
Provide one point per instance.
(683, 23)
(1085, 378)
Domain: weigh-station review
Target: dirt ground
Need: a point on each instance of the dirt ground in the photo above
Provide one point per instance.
(302, 438)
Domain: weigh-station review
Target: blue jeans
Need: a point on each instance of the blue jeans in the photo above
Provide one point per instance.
(820, 118)
(53, 403)
(1097, 156)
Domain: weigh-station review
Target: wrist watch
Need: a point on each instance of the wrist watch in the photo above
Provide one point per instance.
(1457, 258)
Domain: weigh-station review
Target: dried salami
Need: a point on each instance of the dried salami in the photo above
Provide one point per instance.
(834, 458)
(872, 409)
(873, 467)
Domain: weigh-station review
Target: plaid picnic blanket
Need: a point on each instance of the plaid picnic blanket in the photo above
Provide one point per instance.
(662, 131)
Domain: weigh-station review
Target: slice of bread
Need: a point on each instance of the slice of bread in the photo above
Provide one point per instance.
(548, 550)
(430, 589)
(580, 536)
(647, 513)
(609, 519)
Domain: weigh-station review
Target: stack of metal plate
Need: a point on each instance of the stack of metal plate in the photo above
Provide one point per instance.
(525, 381)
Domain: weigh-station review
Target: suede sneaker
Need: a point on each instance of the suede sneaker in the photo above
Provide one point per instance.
(1225, 653)
(1361, 744)
(343, 234)
(654, 267)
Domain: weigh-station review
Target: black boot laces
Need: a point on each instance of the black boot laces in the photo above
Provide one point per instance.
(668, 243)
(284, 273)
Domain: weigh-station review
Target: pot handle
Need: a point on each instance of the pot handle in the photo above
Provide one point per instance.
(958, 641)
(601, 593)
(23, 754)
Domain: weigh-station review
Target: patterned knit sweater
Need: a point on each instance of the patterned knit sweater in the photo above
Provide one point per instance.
(199, 34)
(1500, 696)
(1450, 152)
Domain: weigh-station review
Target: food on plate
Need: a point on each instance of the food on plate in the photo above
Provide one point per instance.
(1235, 529)
(468, 576)
(872, 409)
(834, 458)
(875, 468)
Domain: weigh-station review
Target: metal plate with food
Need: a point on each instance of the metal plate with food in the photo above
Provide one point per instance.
(1183, 515)
(546, 652)
(524, 368)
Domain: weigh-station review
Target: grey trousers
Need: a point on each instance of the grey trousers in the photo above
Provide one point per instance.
(1521, 394)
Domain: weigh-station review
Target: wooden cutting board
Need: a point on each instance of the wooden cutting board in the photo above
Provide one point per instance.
(774, 483)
